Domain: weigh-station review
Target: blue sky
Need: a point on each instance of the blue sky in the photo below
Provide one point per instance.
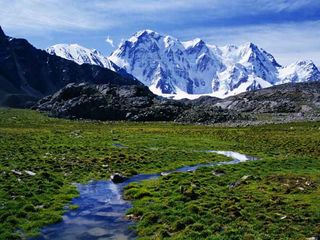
(288, 29)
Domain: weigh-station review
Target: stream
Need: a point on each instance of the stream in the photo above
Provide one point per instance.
(101, 212)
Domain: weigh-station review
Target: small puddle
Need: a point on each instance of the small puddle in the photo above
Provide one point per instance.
(101, 212)
(119, 145)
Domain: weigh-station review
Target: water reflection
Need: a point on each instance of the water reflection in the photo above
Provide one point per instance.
(101, 212)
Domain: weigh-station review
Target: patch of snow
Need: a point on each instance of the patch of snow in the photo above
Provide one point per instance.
(80, 55)
(16, 172)
(234, 155)
(30, 173)
(191, 43)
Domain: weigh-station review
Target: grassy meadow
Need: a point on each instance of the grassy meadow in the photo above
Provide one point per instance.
(277, 197)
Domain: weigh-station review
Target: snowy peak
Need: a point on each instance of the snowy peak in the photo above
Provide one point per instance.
(80, 55)
(249, 52)
(245, 53)
(300, 71)
(308, 63)
(196, 47)
(146, 33)
(163, 63)
(142, 37)
(193, 43)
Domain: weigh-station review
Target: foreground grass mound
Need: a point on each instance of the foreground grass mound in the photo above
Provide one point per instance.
(249, 201)
(277, 197)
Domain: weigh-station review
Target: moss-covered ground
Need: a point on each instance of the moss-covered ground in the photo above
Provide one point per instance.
(277, 197)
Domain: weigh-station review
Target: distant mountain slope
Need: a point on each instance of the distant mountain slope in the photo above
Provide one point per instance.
(191, 69)
(285, 98)
(80, 55)
(27, 73)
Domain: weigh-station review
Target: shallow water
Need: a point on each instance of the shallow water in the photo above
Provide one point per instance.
(119, 145)
(101, 212)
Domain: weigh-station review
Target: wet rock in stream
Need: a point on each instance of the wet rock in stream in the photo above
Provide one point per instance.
(118, 178)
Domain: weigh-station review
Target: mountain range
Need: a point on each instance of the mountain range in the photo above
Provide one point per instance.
(189, 69)
(82, 83)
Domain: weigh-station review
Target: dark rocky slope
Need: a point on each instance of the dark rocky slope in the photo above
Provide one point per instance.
(282, 103)
(109, 102)
(28, 74)
(137, 103)
(133, 103)
(286, 98)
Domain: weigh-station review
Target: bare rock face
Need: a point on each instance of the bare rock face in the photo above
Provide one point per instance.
(209, 114)
(286, 98)
(109, 102)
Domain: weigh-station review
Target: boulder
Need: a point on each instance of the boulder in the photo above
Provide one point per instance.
(218, 172)
(118, 178)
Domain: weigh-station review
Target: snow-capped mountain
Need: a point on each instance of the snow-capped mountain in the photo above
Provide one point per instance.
(173, 68)
(80, 55)
(189, 69)
(300, 71)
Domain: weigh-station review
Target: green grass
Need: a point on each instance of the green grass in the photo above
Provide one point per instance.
(280, 199)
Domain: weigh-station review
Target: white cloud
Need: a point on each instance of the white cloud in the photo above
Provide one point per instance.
(110, 41)
(221, 7)
(39, 15)
(68, 15)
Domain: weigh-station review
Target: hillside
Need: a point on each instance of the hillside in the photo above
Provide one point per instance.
(28, 74)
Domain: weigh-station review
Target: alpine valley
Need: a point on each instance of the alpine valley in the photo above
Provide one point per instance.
(163, 139)
(177, 69)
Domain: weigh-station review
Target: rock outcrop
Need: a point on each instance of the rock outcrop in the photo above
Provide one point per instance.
(110, 102)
